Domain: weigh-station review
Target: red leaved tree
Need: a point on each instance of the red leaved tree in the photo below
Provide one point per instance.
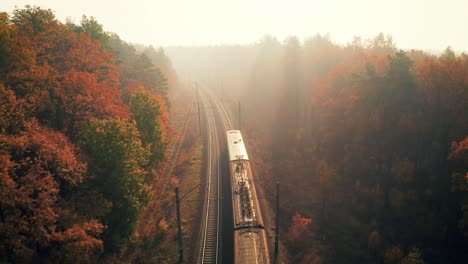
(83, 98)
(38, 168)
(86, 55)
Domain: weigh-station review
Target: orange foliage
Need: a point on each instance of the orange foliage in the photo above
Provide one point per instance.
(55, 77)
(36, 169)
(80, 240)
(460, 150)
(86, 55)
(330, 89)
(300, 228)
(84, 98)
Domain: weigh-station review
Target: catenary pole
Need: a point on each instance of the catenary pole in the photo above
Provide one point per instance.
(179, 228)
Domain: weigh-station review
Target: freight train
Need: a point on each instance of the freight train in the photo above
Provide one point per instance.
(250, 239)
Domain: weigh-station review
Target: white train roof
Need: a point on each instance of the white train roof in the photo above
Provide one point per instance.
(236, 145)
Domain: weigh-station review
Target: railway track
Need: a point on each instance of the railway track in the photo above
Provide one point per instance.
(210, 235)
(217, 121)
(251, 248)
(227, 124)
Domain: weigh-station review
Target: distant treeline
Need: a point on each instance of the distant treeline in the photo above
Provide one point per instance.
(83, 133)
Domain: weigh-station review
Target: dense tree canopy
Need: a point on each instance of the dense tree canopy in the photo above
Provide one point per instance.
(116, 159)
(372, 150)
(77, 158)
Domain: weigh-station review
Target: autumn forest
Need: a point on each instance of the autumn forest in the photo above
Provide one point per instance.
(83, 132)
(368, 141)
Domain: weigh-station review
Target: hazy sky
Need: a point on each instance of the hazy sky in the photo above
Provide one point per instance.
(423, 24)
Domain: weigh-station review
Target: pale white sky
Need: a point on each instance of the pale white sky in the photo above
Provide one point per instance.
(422, 24)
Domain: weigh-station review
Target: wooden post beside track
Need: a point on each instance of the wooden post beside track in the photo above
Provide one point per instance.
(276, 261)
(179, 228)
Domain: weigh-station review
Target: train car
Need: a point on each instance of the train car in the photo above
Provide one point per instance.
(250, 239)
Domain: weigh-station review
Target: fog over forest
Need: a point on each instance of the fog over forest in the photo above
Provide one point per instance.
(366, 136)
(368, 141)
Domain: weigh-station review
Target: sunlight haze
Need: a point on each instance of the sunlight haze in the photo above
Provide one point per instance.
(429, 25)
(242, 131)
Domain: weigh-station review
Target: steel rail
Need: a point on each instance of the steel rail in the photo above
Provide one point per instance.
(210, 246)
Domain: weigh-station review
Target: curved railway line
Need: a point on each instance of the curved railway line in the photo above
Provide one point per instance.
(217, 195)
